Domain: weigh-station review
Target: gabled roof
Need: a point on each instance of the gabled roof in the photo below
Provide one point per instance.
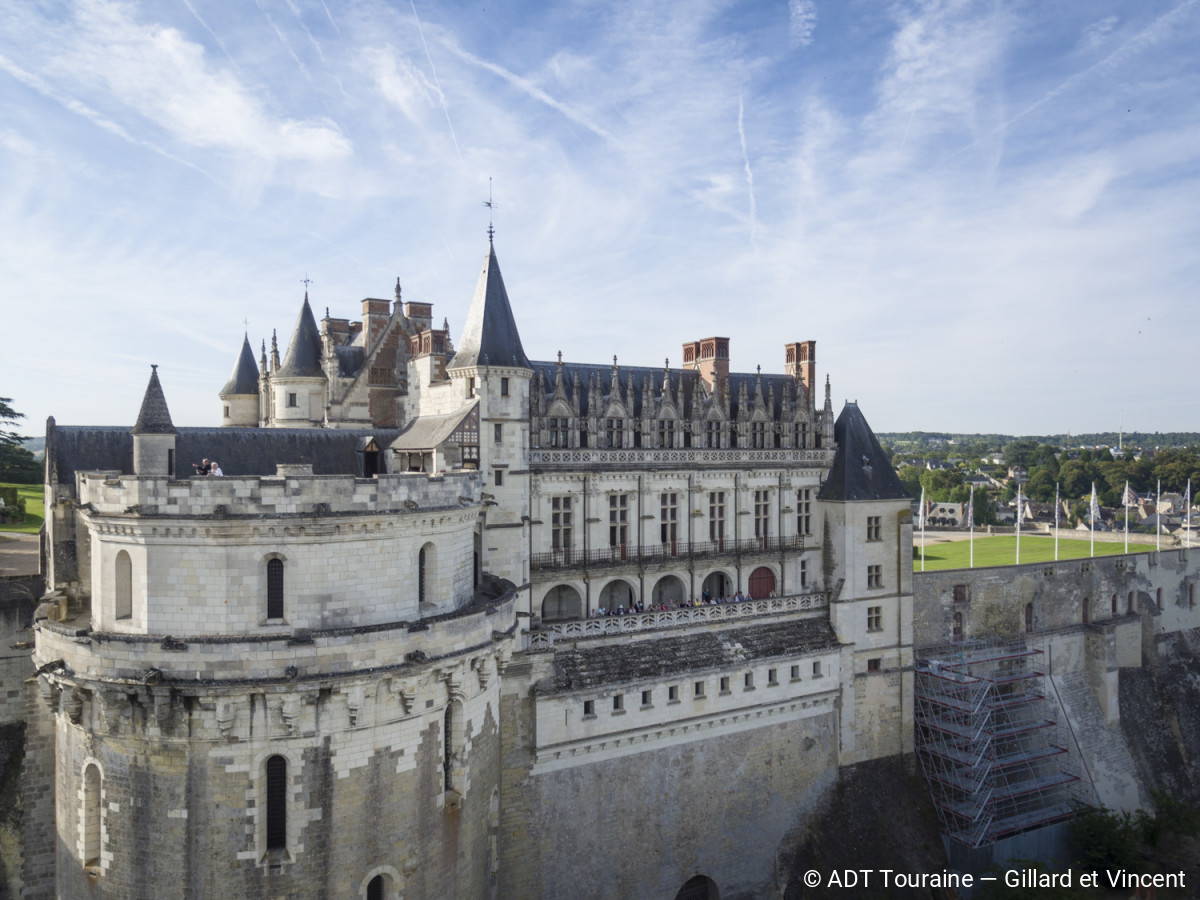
(244, 379)
(154, 417)
(861, 470)
(304, 349)
(490, 335)
(429, 432)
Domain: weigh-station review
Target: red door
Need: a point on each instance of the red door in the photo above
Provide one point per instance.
(762, 583)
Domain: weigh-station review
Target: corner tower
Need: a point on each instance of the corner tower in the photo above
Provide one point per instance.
(154, 433)
(298, 384)
(239, 397)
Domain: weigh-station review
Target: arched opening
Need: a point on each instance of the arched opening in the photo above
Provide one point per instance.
(1129, 604)
(375, 888)
(1158, 599)
(274, 588)
(276, 803)
(717, 586)
(762, 583)
(1087, 608)
(617, 594)
(562, 602)
(421, 575)
(700, 887)
(91, 815)
(669, 591)
(124, 586)
(1114, 604)
(1028, 618)
(453, 736)
(957, 634)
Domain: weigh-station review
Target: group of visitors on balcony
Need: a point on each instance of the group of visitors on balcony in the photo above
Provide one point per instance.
(705, 600)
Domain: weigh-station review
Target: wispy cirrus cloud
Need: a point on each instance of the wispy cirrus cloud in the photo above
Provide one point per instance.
(802, 22)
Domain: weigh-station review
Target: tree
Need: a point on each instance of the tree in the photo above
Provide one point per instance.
(16, 463)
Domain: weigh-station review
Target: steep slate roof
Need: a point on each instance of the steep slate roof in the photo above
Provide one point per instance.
(590, 667)
(304, 349)
(490, 335)
(350, 359)
(154, 417)
(244, 379)
(241, 451)
(861, 470)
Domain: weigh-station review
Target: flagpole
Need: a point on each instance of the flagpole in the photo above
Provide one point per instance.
(1126, 499)
(971, 517)
(1188, 500)
(1092, 511)
(1018, 523)
(1158, 518)
(1057, 511)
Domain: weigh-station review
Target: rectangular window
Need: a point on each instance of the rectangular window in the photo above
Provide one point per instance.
(497, 433)
(558, 432)
(666, 432)
(291, 401)
(503, 387)
(804, 573)
(762, 514)
(589, 709)
(618, 520)
(804, 511)
(614, 432)
(698, 689)
(716, 516)
(669, 519)
(960, 593)
(227, 410)
(817, 669)
(673, 694)
(618, 702)
(645, 698)
(801, 435)
(795, 676)
(712, 435)
(470, 382)
(498, 477)
(874, 528)
(748, 681)
(772, 676)
(724, 684)
(874, 618)
(874, 576)
(560, 523)
(758, 435)
(875, 664)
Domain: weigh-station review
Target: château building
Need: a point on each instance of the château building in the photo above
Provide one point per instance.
(457, 623)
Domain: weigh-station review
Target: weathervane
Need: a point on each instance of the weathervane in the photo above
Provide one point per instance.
(306, 281)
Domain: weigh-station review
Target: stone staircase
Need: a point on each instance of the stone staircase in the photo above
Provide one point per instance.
(1105, 754)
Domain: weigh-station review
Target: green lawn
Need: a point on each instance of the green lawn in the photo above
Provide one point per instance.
(1002, 551)
(35, 509)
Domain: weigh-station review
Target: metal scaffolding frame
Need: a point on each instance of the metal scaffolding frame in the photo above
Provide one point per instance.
(987, 737)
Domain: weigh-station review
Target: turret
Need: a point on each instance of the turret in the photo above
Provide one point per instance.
(154, 433)
(239, 397)
(298, 383)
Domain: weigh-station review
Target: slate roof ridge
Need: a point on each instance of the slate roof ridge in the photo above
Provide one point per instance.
(244, 378)
(154, 417)
(490, 336)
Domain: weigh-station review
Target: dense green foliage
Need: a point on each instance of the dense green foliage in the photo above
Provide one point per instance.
(30, 496)
(16, 463)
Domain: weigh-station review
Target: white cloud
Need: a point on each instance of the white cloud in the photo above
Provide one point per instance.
(802, 22)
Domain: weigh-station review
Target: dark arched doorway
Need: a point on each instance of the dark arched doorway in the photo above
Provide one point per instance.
(718, 585)
(762, 583)
(701, 887)
(562, 602)
(669, 592)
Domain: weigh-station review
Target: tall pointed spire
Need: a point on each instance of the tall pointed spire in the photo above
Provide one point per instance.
(244, 378)
(490, 336)
(154, 417)
(303, 357)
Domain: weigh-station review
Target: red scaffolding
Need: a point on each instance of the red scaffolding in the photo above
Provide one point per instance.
(988, 742)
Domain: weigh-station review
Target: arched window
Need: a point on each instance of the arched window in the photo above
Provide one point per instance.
(699, 888)
(91, 815)
(375, 888)
(1028, 618)
(274, 588)
(421, 576)
(1158, 599)
(124, 586)
(1087, 603)
(453, 736)
(1114, 604)
(276, 803)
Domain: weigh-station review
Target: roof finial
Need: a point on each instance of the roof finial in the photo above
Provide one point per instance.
(154, 367)
(560, 357)
(397, 289)
(614, 360)
(491, 205)
(758, 368)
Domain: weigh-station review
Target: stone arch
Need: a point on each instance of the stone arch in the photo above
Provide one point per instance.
(381, 883)
(698, 887)
(123, 587)
(562, 602)
(761, 583)
(617, 592)
(669, 591)
(454, 737)
(91, 827)
(717, 584)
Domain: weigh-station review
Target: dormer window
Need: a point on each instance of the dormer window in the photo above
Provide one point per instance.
(614, 432)
(758, 435)
(666, 432)
(558, 432)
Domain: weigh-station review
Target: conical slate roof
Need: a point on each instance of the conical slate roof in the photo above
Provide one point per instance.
(303, 357)
(244, 379)
(154, 417)
(861, 470)
(490, 335)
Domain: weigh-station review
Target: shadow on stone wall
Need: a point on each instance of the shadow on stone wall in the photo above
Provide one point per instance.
(879, 815)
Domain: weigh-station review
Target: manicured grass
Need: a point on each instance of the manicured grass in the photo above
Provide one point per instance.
(1002, 551)
(35, 509)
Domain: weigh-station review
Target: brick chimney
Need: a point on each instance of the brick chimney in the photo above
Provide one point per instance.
(375, 318)
(801, 363)
(709, 357)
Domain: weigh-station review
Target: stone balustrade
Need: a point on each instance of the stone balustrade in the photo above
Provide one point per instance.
(690, 456)
(542, 639)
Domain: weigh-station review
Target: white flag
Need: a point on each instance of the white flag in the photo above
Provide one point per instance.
(1095, 510)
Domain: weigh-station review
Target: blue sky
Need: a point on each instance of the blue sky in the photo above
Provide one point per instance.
(986, 214)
